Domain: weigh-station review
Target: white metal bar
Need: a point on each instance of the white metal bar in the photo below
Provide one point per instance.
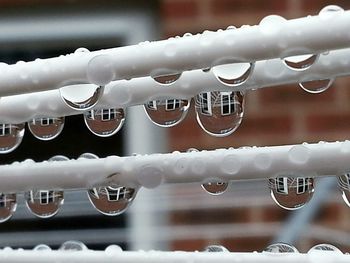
(150, 171)
(114, 254)
(122, 94)
(274, 37)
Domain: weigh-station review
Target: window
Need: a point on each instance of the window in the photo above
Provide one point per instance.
(5, 129)
(302, 185)
(152, 105)
(205, 103)
(2, 200)
(46, 197)
(282, 185)
(108, 114)
(46, 121)
(227, 103)
(172, 104)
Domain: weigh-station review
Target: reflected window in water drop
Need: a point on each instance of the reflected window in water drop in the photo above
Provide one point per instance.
(167, 79)
(215, 248)
(167, 112)
(73, 245)
(281, 248)
(215, 188)
(233, 74)
(219, 113)
(111, 200)
(344, 186)
(11, 136)
(316, 86)
(291, 193)
(104, 122)
(81, 97)
(8, 206)
(301, 62)
(46, 128)
(44, 203)
(324, 248)
(42, 247)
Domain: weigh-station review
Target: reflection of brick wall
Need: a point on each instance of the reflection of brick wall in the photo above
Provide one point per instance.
(273, 116)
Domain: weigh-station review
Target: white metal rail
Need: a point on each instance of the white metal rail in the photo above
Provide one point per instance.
(274, 37)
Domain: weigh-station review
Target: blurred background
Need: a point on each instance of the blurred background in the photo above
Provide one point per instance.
(179, 217)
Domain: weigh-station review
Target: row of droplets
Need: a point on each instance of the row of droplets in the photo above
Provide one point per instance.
(290, 193)
(74, 245)
(218, 113)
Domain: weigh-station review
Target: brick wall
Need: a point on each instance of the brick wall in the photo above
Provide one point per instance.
(273, 116)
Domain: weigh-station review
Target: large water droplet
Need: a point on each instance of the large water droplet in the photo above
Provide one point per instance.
(11, 136)
(301, 62)
(291, 193)
(88, 156)
(111, 200)
(46, 128)
(44, 203)
(167, 79)
(330, 11)
(316, 86)
(219, 113)
(215, 188)
(104, 122)
(344, 185)
(8, 205)
(324, 248)
(233, 74)
(73, 245)
(281, 248)
(81, 97)
(215, 248)
(167, 112)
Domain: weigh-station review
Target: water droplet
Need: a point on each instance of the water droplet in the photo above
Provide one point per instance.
(42, 247)
(8, 205)
(81, 50)
(81, 97)
(281, 248)
(73, 245)
(215, 188)
(111, 249)
(167, 112)
(58, 158)
(104, 122)
(187, 35)
(88, 156)
(344, 186)
(99, 70)
(233, 74)
(301, 62)
(111, 200)
(219, 113)
(44, 203)
(215, 248)
(324, 248)
(231, 27)
(11, 136)
(167, 79)
(316, 86)
(46, 128)
(291, 193)
(206, 70)
(192, 150)
(330, 11)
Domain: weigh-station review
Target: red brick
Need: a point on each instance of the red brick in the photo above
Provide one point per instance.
(188, 245)
(246, 244)
(179, 9)
(331, 122)
(222, 7)
(292, 94)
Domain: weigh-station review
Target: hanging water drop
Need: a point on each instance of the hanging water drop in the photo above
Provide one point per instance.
(11, 136)
(215, 248)
(316, 86)
(8, 205)
(111, 200)
(281, 248)
(291, 193)
(104, 122)
(44, 203)
(167, 79)
(301, 62)
(219, 113)
(324, 248)
(81, 97)
(46, 128)
(215, 188)
(344, 186)
(167, 112)
(73, 245)
(233, 74)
